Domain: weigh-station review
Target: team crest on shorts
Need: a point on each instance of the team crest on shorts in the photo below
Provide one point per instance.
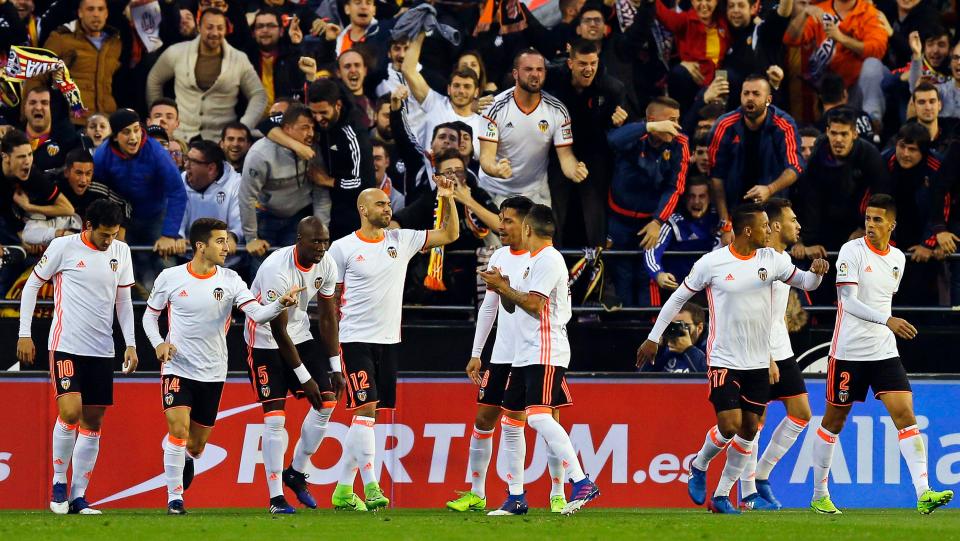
(221, 197)
(114, 264)
(526, 272)
(543, 126)
(168, 399)
(361, 395)
(218, 294)
(896, 273)
(265, 390)
(65, 383)
(843, 395)
(392, 252)
(317, 282)
(762, 273)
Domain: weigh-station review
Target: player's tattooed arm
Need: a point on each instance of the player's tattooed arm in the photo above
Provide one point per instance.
(512, 299)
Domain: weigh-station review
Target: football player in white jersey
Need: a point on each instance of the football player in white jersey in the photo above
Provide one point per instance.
(737, 280)
(511, 259)
(372, 266)
(864, 354)
(283, 356)
(522, 124)
(786, 381)
(91, 273)
(198, 297)
(540, 308)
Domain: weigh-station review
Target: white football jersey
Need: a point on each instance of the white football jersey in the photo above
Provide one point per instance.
(85, 282)
(511, 264)
(877, 276)
(542, 339)
(199, 311)
(439, 110)
(278, 274)
(524, 138)
(373, 273)
(780, 347)
(740, 301)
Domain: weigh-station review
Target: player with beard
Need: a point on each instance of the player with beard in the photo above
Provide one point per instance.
(371, 269)
(786, 381)
(522, 124)
(458, 104)
(754, 152)
(738, 281)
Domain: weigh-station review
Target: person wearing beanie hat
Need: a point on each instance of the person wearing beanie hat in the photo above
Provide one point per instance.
(141, 171)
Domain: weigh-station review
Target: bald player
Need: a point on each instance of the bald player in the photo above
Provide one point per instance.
(371, 267)
(283, 357)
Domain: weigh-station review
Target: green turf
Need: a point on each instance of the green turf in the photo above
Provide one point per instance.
(666, 524)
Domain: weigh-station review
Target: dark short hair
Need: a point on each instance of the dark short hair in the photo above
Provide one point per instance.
(924, 86)
(202, 228)
(293, 114)
(883, 201)
(590, 5)
(583, 47)
(934, 31)
(444, 126)
(448, 154)
(324, 90)
(744, 215)
(696, 180)
(211, 153)
(710, 111)
(701, 141)
(520, 204)
(37, 89)
(236, 125)
(697, 313)
(77, 155)
(381, 144)
(211, 11)
(103, 212)
(842, 115)
(164, 101)
(540, 218)
(831, 88)
(525, 52)
(12, 139)
(466, 73)
(662, 101)
(913, 133)
(774, 207)
(758, 77)
(809, 131)
(271, 11)
(462, 126)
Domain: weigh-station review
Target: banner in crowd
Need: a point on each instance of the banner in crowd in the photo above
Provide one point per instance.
(635, 437)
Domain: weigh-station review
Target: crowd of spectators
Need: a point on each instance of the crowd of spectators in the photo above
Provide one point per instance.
(642, 123)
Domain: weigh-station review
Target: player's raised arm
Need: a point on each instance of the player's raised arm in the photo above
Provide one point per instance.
(809, 280)
(262, 313)
(451, 224)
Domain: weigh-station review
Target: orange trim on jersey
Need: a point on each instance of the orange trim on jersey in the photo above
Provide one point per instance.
(539, 99)
(739, 256)
(534, 254)
(534, 410)
(365, 239)
(874, 249)
(797, 421)
(297, 262)
(177, 441)
(512, 422)
(825, 436)
(58, 311)
(517, 252)
(737, 448)
(86, 241)
(275, 413)
(200, 276)
(908, 432)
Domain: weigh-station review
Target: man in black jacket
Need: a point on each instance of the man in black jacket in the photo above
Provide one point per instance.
(831, 195)
(593, 99)
(276, 57)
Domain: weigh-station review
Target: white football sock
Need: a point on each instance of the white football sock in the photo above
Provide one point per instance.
(748, 478)
(481, 449)
(558, 441)
(557, 471)
(312, 430)
(914, 452)
(174, 455)
(361, 443)
(738, 453)
(64, 439)
(84, 458)
(712, 445)
(515, 446)
(822, 459)
(783, 438)
(272, 447)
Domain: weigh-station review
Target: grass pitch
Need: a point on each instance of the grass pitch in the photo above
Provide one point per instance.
(666, 524)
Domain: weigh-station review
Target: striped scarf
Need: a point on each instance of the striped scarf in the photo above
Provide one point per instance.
(434, 278)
